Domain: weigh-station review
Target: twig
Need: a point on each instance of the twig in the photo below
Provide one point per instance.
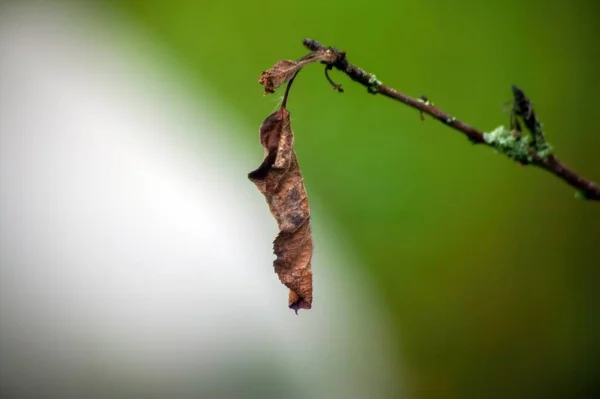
(331, 82)
(501, 139)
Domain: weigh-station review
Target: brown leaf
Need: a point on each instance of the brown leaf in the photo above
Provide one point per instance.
(279, 179)
(283, 71)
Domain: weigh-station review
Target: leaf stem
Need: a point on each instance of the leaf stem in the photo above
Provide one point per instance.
(287, 90)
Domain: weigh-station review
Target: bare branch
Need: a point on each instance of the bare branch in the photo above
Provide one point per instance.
(527, 150)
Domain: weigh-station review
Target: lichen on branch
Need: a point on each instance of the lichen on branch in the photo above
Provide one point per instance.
(512, 145)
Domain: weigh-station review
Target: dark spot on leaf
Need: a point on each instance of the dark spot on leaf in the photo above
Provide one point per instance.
(293, 195)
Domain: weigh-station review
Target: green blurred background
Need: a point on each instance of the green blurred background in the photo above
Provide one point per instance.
(489, 270)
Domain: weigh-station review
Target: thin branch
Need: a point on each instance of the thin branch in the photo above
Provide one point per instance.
(331, 82)
(503, 140)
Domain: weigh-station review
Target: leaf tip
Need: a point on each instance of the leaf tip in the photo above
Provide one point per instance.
(300, 304)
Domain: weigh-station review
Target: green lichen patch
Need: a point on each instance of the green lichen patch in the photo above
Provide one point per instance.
(543, 150)
(516, 147)
(373, 84)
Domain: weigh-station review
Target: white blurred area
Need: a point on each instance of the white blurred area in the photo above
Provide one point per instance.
(135, 256)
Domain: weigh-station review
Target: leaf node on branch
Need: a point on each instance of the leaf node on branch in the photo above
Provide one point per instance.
(279, 179)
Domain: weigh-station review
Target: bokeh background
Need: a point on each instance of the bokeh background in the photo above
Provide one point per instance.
(485, 273)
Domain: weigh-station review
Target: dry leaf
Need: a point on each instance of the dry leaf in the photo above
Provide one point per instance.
(279, 179)
(283, 71)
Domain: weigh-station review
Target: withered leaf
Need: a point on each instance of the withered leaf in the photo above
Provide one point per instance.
(279, 179)
(281, 72)
(284, 70)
